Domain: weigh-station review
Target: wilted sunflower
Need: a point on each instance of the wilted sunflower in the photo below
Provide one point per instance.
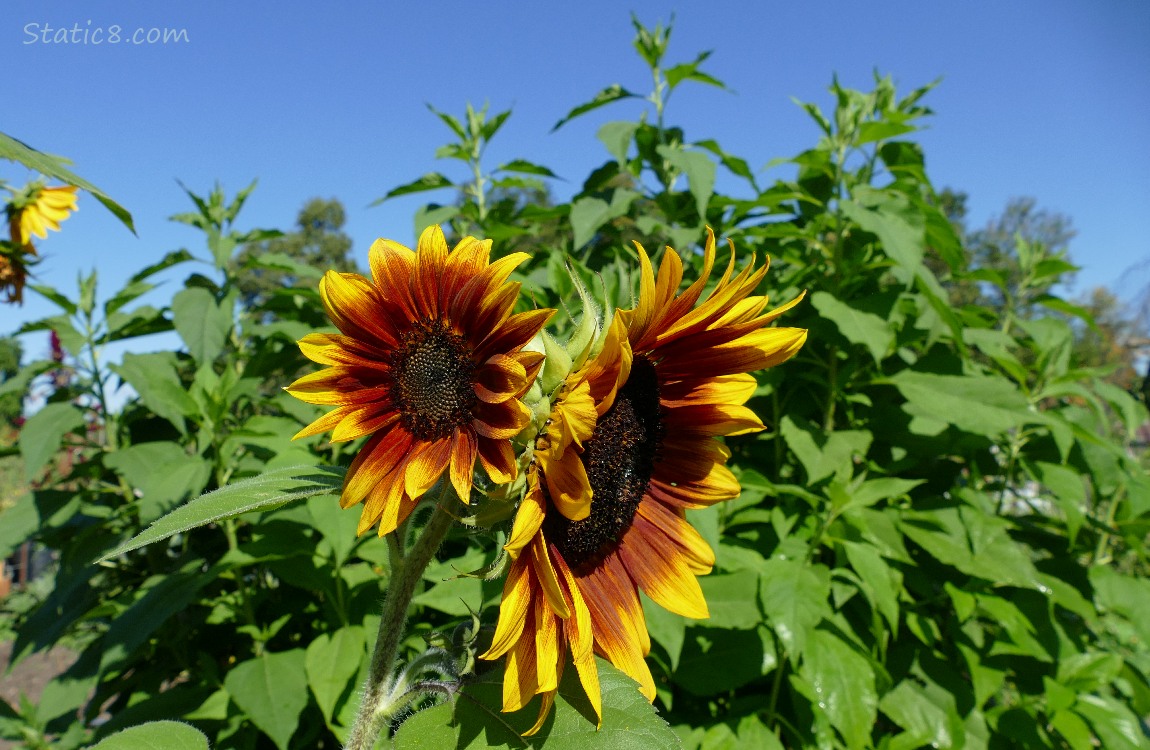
(43, 209)
(429, 358)
(635, 428)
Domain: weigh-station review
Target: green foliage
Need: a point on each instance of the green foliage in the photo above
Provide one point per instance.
(941, 537)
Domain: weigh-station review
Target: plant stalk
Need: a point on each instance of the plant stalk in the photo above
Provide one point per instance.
(374, 708)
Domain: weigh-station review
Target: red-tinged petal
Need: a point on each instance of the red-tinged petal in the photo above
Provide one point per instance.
(340, 385)
(430, 259)
(500, 421)
(528, 520)
(426, 466)
(568, 486)
(364, 421)
(337, 349)
(376, 460)
(326, 422)
(548, 580)
(512, 610)
(499, 378)
(705, 420)
(381, 506)
(520, 681)
(392, 268)
(662, 574)
(697, 554)
(515, 332)
(546, 647)
(755, 351)
(463, 454)
(498, 460)
(353, 305)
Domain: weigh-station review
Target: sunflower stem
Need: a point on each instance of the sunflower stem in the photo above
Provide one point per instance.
(376, 706)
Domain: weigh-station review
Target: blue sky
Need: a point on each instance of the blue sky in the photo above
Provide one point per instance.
(1045, 98)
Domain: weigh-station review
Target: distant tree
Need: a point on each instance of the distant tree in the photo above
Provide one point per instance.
(1115, 339)
(318, 241)
(995, 249)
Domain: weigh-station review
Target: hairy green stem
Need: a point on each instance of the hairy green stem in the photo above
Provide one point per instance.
(408, 569)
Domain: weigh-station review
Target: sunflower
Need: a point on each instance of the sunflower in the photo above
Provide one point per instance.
(628, 448)
(429, 360)
(13, 274)
(44, 209)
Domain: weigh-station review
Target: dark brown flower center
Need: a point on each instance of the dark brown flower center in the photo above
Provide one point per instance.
(619, 458)
(433, 387)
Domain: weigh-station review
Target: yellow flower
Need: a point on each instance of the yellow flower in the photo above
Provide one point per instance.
(46, 208)
(630, 446)
(430, 362)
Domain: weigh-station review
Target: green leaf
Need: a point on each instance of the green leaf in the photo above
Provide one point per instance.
(890, 217)
(201, 322)
(925, 722)
(175, 257)
(1117, 728)
(982, 405)
(430, 181)
(588, 214)
(264, 492)
(700, 171)
(475, 722)
(154, 378)
(732, 599)
(54, 166)
(337, 525)
(794, 597)
(41, 435)
(612, 93)
(690, 72)
(616, 136)
(855, 325)
(333, 661)
(842, 685)
(156, 735)
(882, 582)
(745, 656)
(1123, 595)
(156, 599)
(57, 297)
(182, 475)
(665, 628)
(272, 691)
(824, 454)
(522, 166)
(973, 542)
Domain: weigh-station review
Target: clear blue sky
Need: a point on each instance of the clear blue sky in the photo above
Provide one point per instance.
(1049, 98)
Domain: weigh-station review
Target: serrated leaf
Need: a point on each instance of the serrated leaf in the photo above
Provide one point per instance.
(52, 166)
(272, 691)
(925, 722)
(982, 405)
(429, 181)
(612, 93)
(157, 599)
(154, 378)
(264, 492)
(733, 599)
(183, 474)
(474, 721)
(857, 326)
(522, 166)
(700, 171)
(843, 686)
(156, 735)
(201, 322)
(616, 136)
(794, 597)
(890, 217)
(745, 656)
(332, 662)
(41, 435)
